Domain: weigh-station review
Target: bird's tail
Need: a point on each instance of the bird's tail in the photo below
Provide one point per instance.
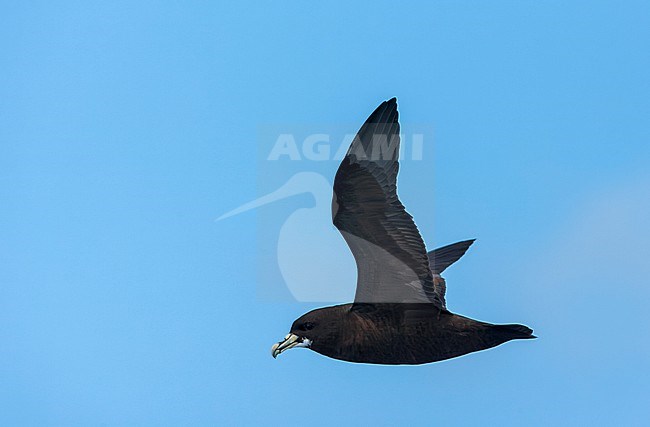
(441, 258)
(512, 332)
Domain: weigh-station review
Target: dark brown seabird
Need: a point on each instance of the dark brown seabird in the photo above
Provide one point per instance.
(399, 314)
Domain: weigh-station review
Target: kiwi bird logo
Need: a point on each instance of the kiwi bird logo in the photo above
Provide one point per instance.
(312, 257)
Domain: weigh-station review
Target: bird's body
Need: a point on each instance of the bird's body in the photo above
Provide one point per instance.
(395, 334)
(399, 314)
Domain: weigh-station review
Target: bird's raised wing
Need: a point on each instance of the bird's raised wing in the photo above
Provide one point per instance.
(392, 263)
(441, 258)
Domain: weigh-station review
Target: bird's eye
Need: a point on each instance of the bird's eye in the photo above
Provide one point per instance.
(307, 326)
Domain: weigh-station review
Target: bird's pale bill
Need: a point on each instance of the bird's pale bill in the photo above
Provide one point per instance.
(290, 341)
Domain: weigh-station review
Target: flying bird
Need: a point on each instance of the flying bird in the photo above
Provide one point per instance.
(399, 314)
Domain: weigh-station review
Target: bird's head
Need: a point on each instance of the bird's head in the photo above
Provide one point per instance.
(309, 329)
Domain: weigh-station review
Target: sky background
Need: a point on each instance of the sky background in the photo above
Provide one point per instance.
(127, 128)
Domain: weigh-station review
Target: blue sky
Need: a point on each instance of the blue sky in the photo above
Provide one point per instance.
(127, 129)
